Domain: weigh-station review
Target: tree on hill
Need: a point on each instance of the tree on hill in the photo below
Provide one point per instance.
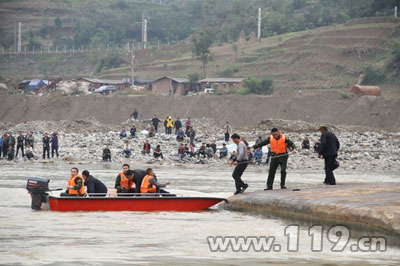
(58, 22)
(373, 76)
(263, 86)
(201, 42)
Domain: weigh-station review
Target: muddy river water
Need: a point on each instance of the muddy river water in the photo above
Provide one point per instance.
(30, 237)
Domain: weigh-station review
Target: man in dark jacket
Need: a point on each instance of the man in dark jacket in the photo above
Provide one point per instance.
(46, 146)
(10, 141)
(177, 125)
(138, 175)
(94, 185)
(135, 114)
(20, 144)
(328, 150)
(106, 154)
(155, 122)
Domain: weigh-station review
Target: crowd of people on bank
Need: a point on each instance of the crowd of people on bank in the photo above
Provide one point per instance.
(145, 182)
(185, 134)
(24, 145)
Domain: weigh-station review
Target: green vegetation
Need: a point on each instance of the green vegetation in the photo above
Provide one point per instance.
(201, 47)
(395, 52)
(259, 86)
(112, 60)
(373, 76)
(58, 23)
(116, 22)
(193, 78)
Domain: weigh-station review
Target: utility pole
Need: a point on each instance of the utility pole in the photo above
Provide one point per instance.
(144, 32)
(259, 24)
(19, 37)
(132, 73)
(15, 36)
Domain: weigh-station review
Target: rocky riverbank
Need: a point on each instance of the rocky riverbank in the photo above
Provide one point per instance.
(82, 141)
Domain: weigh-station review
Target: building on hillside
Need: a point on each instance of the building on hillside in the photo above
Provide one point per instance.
(94, 83)
(360, 90)
(170, 86)
(221, 84)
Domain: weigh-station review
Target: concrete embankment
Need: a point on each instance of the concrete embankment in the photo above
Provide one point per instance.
(363, 206)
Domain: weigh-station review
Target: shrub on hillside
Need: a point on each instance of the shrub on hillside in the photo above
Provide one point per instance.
(259, 86)
(395, 51)
(373, 76)
(112, 60)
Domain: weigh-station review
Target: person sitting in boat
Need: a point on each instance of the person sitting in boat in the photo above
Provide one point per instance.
(151, 185)
(123, 184)
(76, 185)
(94, 186)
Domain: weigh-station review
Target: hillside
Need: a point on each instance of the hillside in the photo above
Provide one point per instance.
(326, 57)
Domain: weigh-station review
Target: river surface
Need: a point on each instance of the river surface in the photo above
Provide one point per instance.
(30, 237)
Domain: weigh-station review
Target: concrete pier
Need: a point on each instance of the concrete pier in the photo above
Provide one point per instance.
(366, 206)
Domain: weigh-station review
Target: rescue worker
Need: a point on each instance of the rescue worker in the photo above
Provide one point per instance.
(170, 125)
(94, 186)
(76, 185)
(150, 184)
(279, 148)
(240, 162)
(329, 151)
(122, 183)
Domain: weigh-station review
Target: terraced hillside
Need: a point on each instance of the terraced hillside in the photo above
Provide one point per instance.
(327, 57)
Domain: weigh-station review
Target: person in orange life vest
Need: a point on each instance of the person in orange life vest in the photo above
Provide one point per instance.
(124, 182)
(76, 185)
(150, 184)
(279, 147)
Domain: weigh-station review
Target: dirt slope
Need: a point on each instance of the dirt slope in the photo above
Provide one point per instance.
(241, 111)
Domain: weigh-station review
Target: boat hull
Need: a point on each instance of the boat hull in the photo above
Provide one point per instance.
(146, 203)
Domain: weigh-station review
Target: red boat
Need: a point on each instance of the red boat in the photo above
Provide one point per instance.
(132, 203)
(38, 188)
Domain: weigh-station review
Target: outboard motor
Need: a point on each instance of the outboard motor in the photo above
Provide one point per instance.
(38, 188)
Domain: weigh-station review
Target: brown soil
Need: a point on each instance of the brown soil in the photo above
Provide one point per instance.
(242, 111)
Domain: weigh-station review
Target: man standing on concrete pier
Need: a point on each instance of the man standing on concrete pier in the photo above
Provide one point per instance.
(241, 163)
(279, 149)
(328, 150)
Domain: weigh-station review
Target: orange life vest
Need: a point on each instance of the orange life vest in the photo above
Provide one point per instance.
(125, 182)
(144, 188)
(72, 182)
(278, 146)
